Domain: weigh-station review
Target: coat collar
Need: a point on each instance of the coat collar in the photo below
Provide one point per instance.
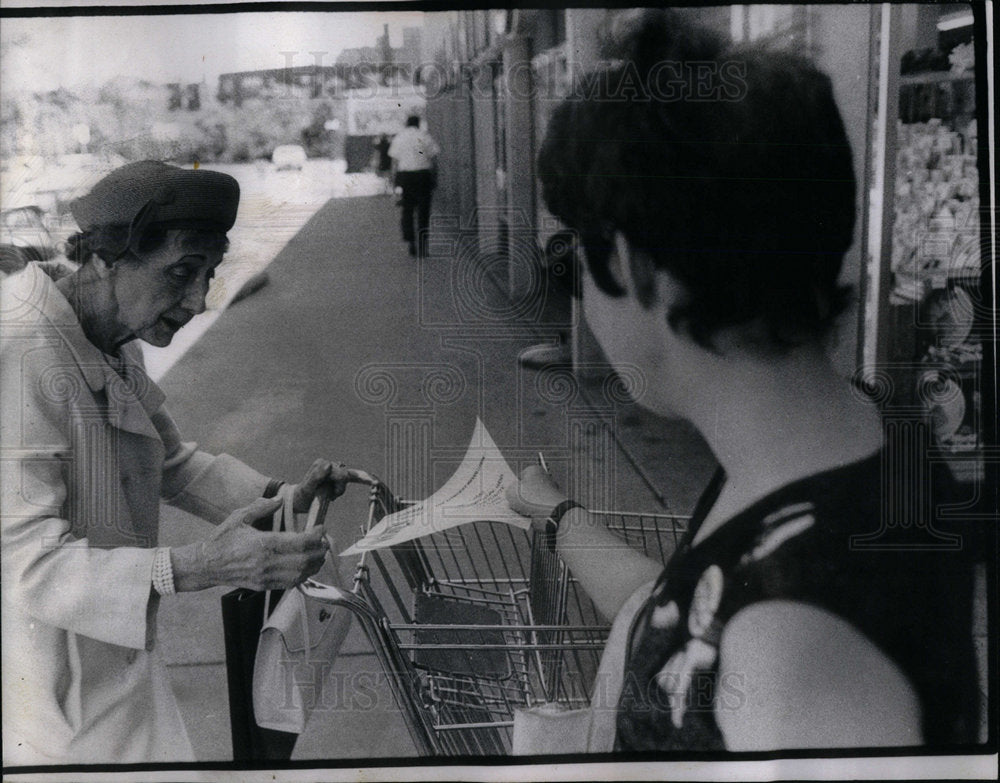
(132, 396)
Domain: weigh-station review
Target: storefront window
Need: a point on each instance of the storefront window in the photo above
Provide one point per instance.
(921, 335)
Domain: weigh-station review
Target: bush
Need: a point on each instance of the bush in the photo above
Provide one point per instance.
(122, 115)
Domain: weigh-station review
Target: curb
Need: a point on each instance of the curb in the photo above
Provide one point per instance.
(252, 285)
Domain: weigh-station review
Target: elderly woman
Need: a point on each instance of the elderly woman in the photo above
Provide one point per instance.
(89, 452)
(714, 231)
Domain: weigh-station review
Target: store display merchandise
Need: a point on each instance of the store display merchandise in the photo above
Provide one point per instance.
(935, 236)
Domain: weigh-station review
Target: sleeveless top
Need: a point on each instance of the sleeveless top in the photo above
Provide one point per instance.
(907, 586)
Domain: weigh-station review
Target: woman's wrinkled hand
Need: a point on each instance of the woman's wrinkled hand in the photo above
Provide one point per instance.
(334, 475)
(535, 494)
(240, 556)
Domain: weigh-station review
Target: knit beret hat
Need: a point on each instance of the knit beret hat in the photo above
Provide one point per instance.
(166, 195)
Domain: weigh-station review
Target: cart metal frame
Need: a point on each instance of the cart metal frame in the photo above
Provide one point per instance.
(474, 622)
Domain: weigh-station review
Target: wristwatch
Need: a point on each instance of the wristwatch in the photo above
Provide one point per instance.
(553, 520)
(271, 490)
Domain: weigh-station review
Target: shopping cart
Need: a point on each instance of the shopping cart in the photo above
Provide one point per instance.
(473, 622)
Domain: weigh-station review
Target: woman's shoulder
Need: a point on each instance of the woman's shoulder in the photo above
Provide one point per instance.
(827, 684)
(839, 542)
(30, 301)
(22, 296)
(37, 327)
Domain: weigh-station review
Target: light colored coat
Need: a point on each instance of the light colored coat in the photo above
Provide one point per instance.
(86, 454)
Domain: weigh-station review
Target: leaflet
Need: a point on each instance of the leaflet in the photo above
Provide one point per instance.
(475, 492)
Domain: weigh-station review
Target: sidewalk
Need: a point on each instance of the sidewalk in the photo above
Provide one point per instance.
(357, 352)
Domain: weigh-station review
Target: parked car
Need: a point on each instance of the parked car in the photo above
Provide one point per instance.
(24, 237)
(288, 156)
(51, 184)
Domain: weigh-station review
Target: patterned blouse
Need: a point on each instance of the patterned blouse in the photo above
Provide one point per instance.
(906, 585)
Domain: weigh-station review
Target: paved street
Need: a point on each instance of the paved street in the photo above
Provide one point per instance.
(352, 343)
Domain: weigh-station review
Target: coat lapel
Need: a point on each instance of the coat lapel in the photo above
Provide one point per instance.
(132, 396)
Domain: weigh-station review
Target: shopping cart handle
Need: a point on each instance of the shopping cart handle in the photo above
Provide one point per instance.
(335, 596)
(323, 496)
(356, 476)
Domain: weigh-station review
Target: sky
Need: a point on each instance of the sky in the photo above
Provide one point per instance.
(45, 53)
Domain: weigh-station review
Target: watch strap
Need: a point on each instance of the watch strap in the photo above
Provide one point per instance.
(271, 490)
(554, 519)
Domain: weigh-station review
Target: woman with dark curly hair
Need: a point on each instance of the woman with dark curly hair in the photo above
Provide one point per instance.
(713, 192)
(90, 450)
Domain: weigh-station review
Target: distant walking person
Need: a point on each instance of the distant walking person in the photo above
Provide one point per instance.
(383, 163)
(414, 154)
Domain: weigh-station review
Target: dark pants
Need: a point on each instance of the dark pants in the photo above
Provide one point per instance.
(417, 189)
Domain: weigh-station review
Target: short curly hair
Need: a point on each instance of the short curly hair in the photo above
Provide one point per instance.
(111, 241)
(728, 166)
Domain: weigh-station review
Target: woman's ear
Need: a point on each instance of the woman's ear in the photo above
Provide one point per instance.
(633, 271)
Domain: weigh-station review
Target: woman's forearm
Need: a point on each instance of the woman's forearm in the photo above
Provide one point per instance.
(607, 567)
(189, 568)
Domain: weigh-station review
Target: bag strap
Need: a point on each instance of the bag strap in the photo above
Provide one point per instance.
(311, 521)
(284, 516)
(317, 513)
(288, 496)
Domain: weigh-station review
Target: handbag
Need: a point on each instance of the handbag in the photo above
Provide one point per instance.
(242, 618)
(549, 728)
(298, 643)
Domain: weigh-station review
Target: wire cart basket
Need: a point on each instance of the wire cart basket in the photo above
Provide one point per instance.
(471, 623)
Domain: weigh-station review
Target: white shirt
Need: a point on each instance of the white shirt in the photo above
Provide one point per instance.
(413, 149)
